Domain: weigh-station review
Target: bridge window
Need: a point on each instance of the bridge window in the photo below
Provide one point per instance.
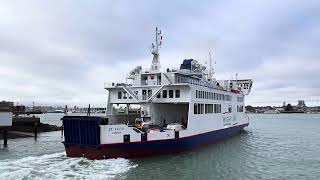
(144, 94)
(149, 93)
(170, 93)
(198, 108)
(124, 95)
(217, 108)
(240, 108)
(209, 108)
(164, 93)
(119, 95)
(177, 93)
(195, 109)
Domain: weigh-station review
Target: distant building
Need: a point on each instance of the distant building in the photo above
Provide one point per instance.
(6, 106)
(301, 103)
(315, 109)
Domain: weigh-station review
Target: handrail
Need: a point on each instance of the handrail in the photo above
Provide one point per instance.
(136, 129)
(157, 92)
(130, 93)
(167, 78)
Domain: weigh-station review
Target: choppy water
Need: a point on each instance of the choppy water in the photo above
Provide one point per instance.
(285, 146)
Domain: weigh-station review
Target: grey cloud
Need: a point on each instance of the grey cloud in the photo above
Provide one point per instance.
(67, 49)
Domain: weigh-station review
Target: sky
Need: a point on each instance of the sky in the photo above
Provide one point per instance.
(62, 52)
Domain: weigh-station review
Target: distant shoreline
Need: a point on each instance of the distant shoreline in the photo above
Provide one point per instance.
(284, 113)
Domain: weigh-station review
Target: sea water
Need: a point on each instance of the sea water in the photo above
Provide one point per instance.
(274, 146)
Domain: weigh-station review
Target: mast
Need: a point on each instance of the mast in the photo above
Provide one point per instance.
(211, 73)
(210, 66)
(155, 66)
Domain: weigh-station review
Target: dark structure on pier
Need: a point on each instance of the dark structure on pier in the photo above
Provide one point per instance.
(22, 123)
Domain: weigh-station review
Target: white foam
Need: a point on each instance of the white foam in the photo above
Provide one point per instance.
(58, 166)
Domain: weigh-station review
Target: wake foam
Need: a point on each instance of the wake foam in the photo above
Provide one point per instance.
(58, 166)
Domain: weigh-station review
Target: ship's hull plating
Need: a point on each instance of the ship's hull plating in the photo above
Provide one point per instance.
(151, 148)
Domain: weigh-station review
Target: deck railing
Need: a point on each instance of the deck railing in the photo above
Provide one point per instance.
(115, 84)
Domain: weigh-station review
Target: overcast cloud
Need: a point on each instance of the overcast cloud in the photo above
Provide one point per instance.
(61, 52)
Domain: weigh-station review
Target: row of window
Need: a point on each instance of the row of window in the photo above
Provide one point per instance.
(187, 80)
(148, 93)
(206, 108)
(194, 81)
(213, 108)
(169, 93)
(144, 94)
(123, 95)
(211, 95)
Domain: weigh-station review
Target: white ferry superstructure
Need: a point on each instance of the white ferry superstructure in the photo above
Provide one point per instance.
(157, 112)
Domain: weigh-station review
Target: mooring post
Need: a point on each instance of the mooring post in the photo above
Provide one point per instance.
(62, 131)
(5, 137)
(66, 110)
(35, 130)
(89, 109)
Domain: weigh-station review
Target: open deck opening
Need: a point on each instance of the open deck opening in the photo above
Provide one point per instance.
(168, 113)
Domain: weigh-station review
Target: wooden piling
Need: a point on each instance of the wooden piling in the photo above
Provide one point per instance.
(35, 130)
(62, 131)
(5, 137)
(89, 109)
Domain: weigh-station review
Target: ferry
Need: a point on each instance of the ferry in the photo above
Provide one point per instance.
(158, 112)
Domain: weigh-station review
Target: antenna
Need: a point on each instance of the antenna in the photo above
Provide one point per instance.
(155, 66)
